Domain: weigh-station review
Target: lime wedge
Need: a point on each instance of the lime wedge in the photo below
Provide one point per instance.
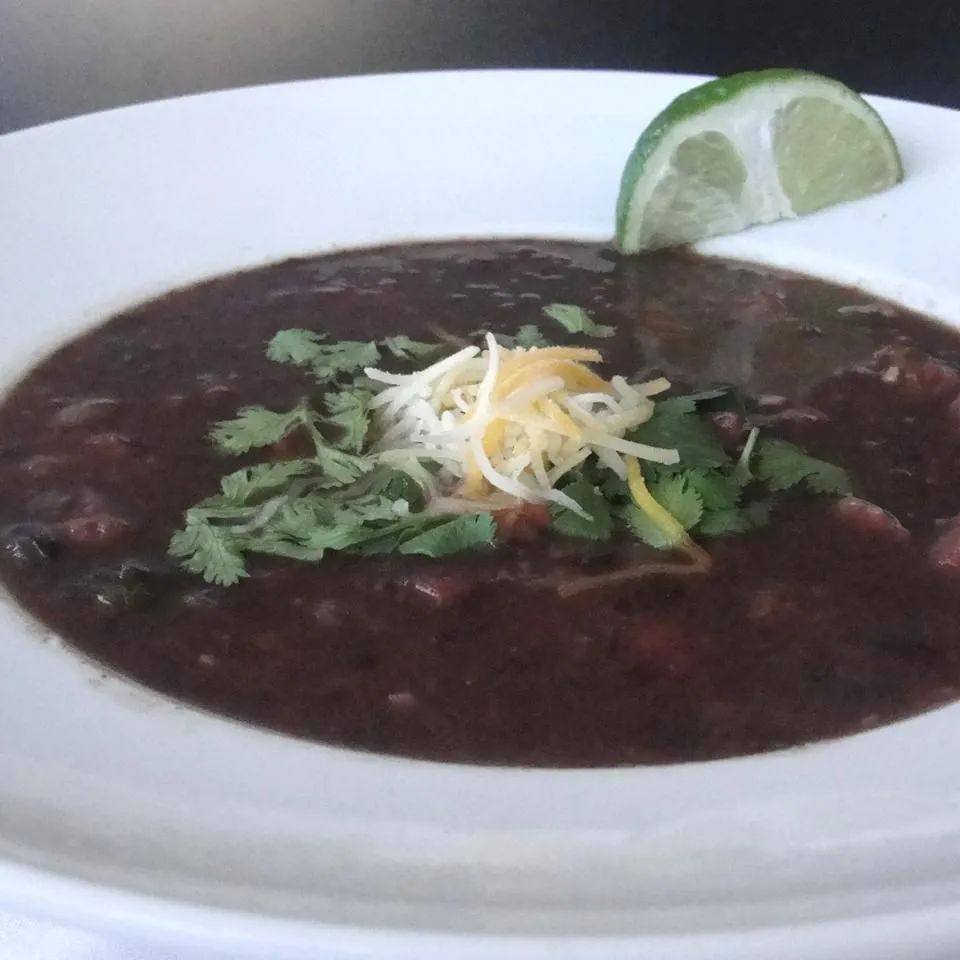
(751, 148)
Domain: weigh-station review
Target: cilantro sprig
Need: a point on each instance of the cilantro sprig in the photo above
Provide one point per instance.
(708, 492)
(782, 465)
(576, 319)
(327, 361)
(257, 515)
(320, 489)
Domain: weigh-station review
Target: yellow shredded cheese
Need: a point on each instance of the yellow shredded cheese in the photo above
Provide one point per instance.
(510, 423)
(666, 521)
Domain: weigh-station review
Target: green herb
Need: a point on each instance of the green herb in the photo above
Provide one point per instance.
(575, 319)
(675, 494)
(326, 361)
(597, 525)
(676, 424)
(261, 511)
(688, 402)
(396, 485)
(528, 336)
(467, 532)
(340, 467)
(644, 529)
(782, 465)
(295, 346)
(244, 486)
(335, 496)
(348, 410)
(717, 489)
(209, 551)
(403, 348)
(730, 495)
(256, 427)
(722, 523)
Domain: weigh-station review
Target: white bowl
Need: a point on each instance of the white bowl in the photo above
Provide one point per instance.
(125, 812)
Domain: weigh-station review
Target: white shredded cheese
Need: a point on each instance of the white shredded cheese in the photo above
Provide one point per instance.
(510, 424)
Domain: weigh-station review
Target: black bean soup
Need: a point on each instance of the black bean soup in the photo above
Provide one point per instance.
(833, 618)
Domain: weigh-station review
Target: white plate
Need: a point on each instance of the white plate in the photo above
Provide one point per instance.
(123, 811)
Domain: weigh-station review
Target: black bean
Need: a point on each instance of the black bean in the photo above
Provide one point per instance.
(131, 585)
(29, 544)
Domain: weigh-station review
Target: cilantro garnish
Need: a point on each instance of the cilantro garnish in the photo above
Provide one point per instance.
(402, 347)
(575, 319)
(782, 465)
(348, 411)
(717, 489)
(332, 494)
(528, 336)
(708, 493)
(644, 529)
(344, 427)
(326, 361)
(208, 550)
(723, 523)
(598, 522)
(452, 536)
(679, 498)
(296, 509)
(329, 361)
(256, 427)
(676, 423)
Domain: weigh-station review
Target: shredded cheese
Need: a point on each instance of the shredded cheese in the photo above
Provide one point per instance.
(510, 422)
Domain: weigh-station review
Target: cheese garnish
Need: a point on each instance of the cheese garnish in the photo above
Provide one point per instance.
(509, 424)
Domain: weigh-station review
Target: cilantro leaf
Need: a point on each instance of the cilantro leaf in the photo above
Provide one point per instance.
(688, 402)
(782, 465)
(466, 532)
(296, 518)
(403, 348)
(327, 361)
(209, 551)
(245, 485)
(643, 528)
(254, 427)
(348, 410)
(346, 356)
(719, 523)
(528, 336)
(676, 496)
(685, 403)
(575, 319)
(275, 546)
(613, 488)
(599, 524)
(339, 466)
(306, 527)
(676, 425)
(718, 490)
(295, 346)
(396, 485)
(371, 509)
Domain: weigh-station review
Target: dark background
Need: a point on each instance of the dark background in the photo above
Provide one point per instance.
(63, 57)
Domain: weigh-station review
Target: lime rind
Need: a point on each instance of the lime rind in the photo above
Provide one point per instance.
(730, 106)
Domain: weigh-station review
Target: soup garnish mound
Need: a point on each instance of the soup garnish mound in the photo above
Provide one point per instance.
(471, 447)
(518, 502)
